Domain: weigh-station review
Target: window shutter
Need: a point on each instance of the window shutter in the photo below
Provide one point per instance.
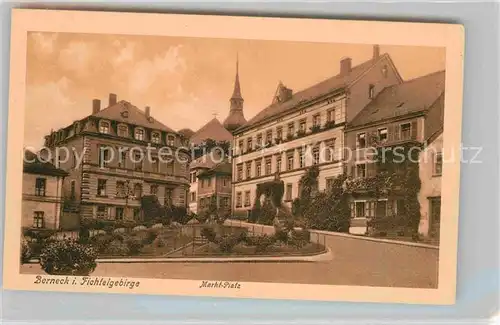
(352, 210)
(390, 133)
(396, 132)
(414, 127)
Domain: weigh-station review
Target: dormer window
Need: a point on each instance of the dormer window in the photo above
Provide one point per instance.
(170, 140)
(155, 137)
(371, 91)
(139, 134)
(122, 130)
(104, 127)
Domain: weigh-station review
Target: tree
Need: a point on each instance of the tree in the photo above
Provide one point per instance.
(152, 208)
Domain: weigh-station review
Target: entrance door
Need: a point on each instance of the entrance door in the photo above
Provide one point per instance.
(381, 209)
(434, 216)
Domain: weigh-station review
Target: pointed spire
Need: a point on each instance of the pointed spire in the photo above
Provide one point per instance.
(237, 90)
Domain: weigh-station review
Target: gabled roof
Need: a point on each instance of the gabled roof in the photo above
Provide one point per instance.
(212, 130)
(33, 165)
(329, 85)
(224, 168)
(412, 96)
(133, 116)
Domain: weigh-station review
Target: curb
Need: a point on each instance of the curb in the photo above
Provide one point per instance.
(324, 256)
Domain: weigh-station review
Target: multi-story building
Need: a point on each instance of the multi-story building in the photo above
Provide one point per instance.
(305, 128)
(214, 187)
(196, 167)
(125, 153)
(42, 193)
(379, 139)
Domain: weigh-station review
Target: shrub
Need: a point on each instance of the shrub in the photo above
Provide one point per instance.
(227, 243)
(281, 235)
(263, 242)
(267, 213)
(67, 257)
(108, 229)
(117, 248)
(134, 246)
(117, 237)
(209, 234)
(83, 234)
(159, 242)
(25, 252)
(300, 238)
(100, 242)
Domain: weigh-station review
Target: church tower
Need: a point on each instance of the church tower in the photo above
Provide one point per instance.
(235, 118)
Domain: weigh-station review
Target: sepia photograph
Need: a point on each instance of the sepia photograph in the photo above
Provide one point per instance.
(246, 164)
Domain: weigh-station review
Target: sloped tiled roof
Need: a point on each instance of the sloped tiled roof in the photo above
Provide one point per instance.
(324, 87)
(206, 161)
(212, 130)
(224, 167)
(134, 116)
(32, 164)
(409, 97)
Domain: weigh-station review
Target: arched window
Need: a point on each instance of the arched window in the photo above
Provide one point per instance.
(139, 134)
(155, 137)
(104, 127)
(122, 130)
(170, 140)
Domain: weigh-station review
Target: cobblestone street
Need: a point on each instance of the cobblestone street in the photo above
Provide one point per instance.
(355, 262)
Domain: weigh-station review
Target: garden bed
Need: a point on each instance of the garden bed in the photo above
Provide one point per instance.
(242, 250)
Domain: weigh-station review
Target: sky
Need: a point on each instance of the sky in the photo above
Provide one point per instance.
(185, 81)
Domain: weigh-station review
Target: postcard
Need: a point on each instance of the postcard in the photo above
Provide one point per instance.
(243, 157)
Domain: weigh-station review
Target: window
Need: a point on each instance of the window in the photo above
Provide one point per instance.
(120, 189)
(315, 156)
(258, 168)
(137, 191)
(384, 71)
(302, 125)
(248, 170)
(155, 165)
(139, 134)
(302, 158)
(38, 221)
(278, 164)
(193, 196)
(225, 181)
(167, 200)
(288, 192)
(102, 211)
(40, 184)
(170, 140)
(330, 150)
(138, 162)
(238, 199)
(104, 127)
(405, 131)
(268, 166)
(259, 139)
(123, 160)
(438, 164)
(329, 183)
(371, 91)
(269, 137)
(155, 137)
(202, 183)
(225, 202)
(330, 115)
(247, 198)
(209, 181)
(239, 172)
(240, 146)
(249, 144)
(154, 189)
(360, 210)
(291, 129)
(279, 133)
(317, 120)
(361, 140)
(123, 131)
(73, 190)
(104, 154)
(361, 170)
(193, 177)
(382, 135)
(101, 187)
(170, 168)
(137, 213)
(119, 213)
(370, 209)
(289, 162)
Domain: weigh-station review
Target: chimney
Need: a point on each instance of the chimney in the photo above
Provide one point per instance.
(376, 52)
(112, 99)
(345, 66)
(96, 106)
(147, 111)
